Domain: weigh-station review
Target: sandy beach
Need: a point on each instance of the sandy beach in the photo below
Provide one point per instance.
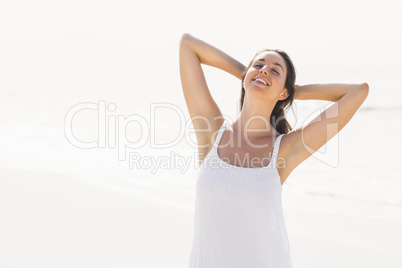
(63, 205)
(52, 220)
(55, 220)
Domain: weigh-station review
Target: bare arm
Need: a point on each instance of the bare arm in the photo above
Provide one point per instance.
(326, 92)
(212, 56)
(204, 112)
(200, 104)
(303, 142)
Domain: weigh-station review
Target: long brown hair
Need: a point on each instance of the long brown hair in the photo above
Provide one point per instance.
(278, 120)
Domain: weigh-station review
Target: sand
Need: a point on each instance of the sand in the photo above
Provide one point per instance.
(55, 220)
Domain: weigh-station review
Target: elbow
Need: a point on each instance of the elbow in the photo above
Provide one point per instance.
(365, 86)
(184, 38)
(185, 35)
(185, 41)
(365, 89)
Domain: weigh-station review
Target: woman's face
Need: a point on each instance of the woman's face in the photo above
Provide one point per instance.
(266, 76)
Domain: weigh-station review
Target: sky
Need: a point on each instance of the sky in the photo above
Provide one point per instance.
(55, 55)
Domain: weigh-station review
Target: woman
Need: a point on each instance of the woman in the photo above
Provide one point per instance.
(238, 212)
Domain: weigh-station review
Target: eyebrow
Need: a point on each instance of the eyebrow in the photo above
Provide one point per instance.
(275, 63)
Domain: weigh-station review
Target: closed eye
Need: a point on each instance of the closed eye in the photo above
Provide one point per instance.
(258, 65)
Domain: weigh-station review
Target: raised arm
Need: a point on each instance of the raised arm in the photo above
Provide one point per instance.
(326, 92)
(200, 104)
(303, 142)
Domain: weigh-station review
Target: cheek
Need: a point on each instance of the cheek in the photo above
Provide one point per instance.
(279, 79)
(247, 78)
(248, 74)
(251, 72)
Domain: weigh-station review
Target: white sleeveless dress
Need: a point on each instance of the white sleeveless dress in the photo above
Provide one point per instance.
(239, 221)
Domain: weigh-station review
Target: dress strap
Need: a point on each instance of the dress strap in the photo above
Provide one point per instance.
(220, 133)
(276, 150)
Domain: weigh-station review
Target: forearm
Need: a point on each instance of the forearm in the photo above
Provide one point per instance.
(212, 56)
(327, 92)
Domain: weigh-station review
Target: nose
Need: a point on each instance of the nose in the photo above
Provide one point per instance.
(263, 71)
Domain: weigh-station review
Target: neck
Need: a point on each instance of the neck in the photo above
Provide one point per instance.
(254, 119)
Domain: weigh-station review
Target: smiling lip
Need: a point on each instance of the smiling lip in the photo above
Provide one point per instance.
(261, 83)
